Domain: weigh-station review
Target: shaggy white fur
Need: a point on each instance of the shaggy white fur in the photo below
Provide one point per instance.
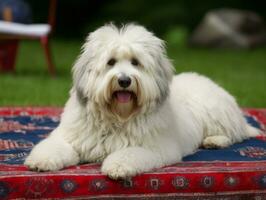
(128, 111)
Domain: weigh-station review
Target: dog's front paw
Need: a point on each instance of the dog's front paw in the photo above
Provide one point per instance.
(118, 168)
(40, 162)
(51, 154)
(129, 162)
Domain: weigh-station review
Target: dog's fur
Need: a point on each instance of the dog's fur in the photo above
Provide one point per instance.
(166, 118)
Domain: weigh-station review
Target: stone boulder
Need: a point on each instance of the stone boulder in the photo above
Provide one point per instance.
(229, 28)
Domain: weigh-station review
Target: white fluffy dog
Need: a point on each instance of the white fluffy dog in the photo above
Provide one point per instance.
(128, 110)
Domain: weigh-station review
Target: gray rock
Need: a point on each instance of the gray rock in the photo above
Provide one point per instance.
(229, 28)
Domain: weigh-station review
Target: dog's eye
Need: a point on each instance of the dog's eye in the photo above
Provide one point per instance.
(134, 62)
(111, 62)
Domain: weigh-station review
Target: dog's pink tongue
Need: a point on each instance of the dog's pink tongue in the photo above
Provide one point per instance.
(123, 97)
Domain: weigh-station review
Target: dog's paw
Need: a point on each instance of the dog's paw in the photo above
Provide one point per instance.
(37, 162)
(215, 142)
(116, 168)
(129, 162)
(51, 154)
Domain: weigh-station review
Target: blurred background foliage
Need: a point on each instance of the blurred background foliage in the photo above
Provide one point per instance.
(78, 17)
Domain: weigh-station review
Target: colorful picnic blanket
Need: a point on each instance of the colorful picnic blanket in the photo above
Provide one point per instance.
(237, 172)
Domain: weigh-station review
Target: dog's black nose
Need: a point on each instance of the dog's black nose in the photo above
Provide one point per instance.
(124, 81)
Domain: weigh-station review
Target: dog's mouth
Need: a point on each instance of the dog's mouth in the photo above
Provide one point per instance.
(124, 104)
(124, 96)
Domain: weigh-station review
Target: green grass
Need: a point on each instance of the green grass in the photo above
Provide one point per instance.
(241, 72)
(31, 84)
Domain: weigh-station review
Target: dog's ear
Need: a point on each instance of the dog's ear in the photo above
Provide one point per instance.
(164, 62)
(80, 78)
(83, 66)
(167, 67)
(165, 72)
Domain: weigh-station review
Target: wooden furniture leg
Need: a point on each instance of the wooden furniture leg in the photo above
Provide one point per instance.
(47, 50)
(8, 54)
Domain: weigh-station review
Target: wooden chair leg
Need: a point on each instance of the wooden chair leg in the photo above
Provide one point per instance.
(8, 54)
(48, 55)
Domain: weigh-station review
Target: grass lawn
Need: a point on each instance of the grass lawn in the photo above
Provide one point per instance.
(241, 72)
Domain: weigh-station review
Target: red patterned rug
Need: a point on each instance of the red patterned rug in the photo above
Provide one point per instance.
(238, 172)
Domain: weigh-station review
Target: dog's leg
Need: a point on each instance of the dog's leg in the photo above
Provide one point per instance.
(130, 162)
(52, 154)
(217, 141)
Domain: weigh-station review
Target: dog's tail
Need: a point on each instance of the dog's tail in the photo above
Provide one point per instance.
(252, 131)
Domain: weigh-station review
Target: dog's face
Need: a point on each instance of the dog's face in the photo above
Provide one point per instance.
(124, 71)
